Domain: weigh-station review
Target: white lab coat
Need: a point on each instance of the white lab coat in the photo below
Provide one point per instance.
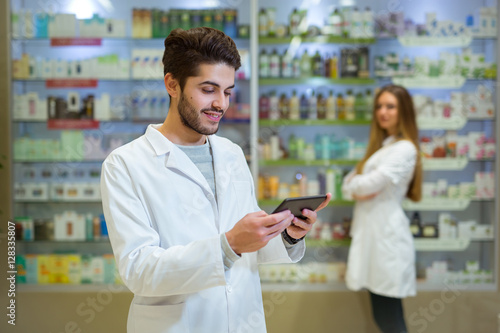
(164, 226)
(382, 254)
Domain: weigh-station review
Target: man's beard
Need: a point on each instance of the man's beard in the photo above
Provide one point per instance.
(191, 118)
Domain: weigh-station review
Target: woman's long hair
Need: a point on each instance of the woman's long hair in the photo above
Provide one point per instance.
(407, 130)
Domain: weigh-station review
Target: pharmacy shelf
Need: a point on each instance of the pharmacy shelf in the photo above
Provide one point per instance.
(276, 202)
(315, 40)
(60, 202)
(448, 41)
(443, 82)
(449, 163)
(441, 286)
(438, 244)
(311, 122)
(316, 243)
(454, 123)
(445, 163)
(292, 162)
(303, 287)
(316, 81)
(69, 288)
(432, 204)
(27, 161)
(442, 204)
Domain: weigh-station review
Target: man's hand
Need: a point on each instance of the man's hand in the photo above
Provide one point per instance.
(299, 228)
(255, 230)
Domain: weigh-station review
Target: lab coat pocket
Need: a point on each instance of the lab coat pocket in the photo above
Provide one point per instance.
(242, 191)
(159, 318)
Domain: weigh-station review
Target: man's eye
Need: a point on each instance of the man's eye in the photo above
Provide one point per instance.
(227, 93)
(208, 91)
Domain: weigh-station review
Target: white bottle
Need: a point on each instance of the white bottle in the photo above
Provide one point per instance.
(274, 111)
(368, 24)
(313, 106)
(287, 65)
(274, 64)
(349, 106)
(335, 21)
(294, 106)
(330, 107)
(263, 64)
(16, 26)
(356, 24)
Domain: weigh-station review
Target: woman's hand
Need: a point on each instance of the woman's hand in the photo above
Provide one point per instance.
(364, 197)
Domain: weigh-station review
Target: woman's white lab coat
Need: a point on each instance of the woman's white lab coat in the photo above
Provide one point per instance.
(382, 255)
(165, 226)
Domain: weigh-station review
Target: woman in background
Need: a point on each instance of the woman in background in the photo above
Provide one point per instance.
(382, 255)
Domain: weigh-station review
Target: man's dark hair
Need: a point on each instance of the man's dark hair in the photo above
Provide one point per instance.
(186, 50)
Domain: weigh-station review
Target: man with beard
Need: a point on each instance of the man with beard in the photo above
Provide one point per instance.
(180, 205)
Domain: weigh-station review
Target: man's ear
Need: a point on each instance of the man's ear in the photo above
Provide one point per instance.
(171, 84)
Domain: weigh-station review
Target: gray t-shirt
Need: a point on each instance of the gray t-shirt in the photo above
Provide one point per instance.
(202, 158)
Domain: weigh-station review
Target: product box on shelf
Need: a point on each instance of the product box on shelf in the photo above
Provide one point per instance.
(69, 226)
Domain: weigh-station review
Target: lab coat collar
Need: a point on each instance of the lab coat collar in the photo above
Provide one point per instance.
(224, 159)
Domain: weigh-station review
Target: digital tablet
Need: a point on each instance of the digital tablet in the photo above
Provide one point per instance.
(296, 205)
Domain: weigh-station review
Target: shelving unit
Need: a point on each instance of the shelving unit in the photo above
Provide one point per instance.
(250, 89)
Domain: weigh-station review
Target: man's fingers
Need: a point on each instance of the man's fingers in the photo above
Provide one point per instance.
(325, 202)
(276, 218)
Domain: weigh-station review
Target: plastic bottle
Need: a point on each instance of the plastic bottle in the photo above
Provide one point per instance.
(283, 106)
(356, 24)
(264, 106)
(313, 106)
(330, 182)
(274, 112)
(368, 24)
(294, 106)
(346, 21)
(304, 108)
(326, 66)
(286, 65)
(263, 23)
(334, 63)
(301, 145)
(321, 180)
(330, 106)
(368, 105)
(294, 22)
(335, 20)
(302, 181)
(15, 25)
(296, 67)
(89, 227)
(317, 146)
(317, 64)
(292, 147)
(305, 65)
(340, 107)
(321, 106)
(325, 147)
(349, 106)
(274, 64)
(359, 106)
(264, 64)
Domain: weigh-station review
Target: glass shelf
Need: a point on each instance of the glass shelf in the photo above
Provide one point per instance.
(315, 81)
(291, 162)
(449, 41)
(311, 122)
(316, 40)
